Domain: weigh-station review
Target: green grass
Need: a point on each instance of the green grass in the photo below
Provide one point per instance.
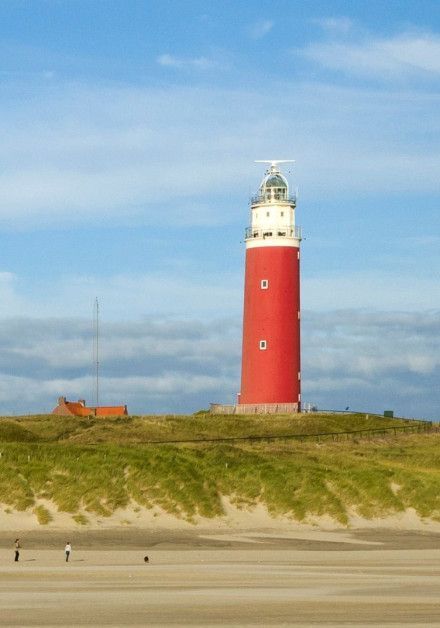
(52, 458)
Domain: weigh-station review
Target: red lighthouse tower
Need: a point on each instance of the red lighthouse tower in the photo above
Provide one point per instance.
(271, 375)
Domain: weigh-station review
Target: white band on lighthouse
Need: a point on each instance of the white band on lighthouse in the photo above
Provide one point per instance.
(273, 212)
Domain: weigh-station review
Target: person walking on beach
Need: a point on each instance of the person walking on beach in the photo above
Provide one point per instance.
(17, 549)
(67, 550)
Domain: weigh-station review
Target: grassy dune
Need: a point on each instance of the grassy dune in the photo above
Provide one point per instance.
(131, 430)
(89, 466)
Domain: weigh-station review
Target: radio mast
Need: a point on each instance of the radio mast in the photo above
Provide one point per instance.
(96, 348)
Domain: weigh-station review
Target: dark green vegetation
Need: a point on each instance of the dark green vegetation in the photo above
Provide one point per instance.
(95, 466)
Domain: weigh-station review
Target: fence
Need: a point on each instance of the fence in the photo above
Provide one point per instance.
(420, 426)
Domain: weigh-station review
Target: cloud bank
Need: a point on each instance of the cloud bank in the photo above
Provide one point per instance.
(366, 360)
(373, 360)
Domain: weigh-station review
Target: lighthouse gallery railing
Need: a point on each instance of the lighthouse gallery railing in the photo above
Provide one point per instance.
(273, 232)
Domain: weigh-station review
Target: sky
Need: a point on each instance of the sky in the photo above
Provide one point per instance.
(129, 132)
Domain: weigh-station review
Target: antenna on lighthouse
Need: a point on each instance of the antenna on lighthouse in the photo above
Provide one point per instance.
(274, 162)
(96, 347)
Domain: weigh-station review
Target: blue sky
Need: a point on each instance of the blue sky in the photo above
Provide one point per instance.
(129, 132)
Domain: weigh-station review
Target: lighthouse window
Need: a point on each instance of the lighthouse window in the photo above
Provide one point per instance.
(267, 214)
(263, 345)
(264, 284)
(282, 214)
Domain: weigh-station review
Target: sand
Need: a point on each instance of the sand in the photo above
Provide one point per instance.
(253, 517)
(207, 577)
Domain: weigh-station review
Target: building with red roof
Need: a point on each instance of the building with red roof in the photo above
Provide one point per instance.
(79, 409)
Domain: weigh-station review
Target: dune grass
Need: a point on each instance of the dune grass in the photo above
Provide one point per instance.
(46, 459)
(43, 515)
(125, 430)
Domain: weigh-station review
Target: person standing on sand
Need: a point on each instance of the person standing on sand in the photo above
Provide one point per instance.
(17, 549)
(67, 550)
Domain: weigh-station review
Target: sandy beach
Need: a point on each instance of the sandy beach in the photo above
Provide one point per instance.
(205, 577)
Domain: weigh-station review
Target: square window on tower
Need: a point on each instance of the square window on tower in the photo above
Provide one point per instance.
(263, 345)
(264, 284)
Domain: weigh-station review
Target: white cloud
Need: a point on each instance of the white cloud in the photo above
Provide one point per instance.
(260, 29)
(379, 289)
(10, 298)
(6, 278)
(403, 55)
(190, 292)
(177, 292)
(73, 154)
(335, 25)
(185, 63)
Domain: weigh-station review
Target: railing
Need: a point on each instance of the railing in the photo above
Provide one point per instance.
(290, 199)
(254, 408)
(273, 232)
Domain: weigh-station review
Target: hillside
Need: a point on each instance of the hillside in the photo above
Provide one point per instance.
(85, 471)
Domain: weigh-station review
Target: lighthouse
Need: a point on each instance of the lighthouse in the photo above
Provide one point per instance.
(271, 373)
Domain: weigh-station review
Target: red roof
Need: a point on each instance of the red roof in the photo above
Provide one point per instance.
(79, 408)
(110, 410)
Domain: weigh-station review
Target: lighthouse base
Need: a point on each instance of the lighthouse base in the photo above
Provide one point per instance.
(255, 408)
